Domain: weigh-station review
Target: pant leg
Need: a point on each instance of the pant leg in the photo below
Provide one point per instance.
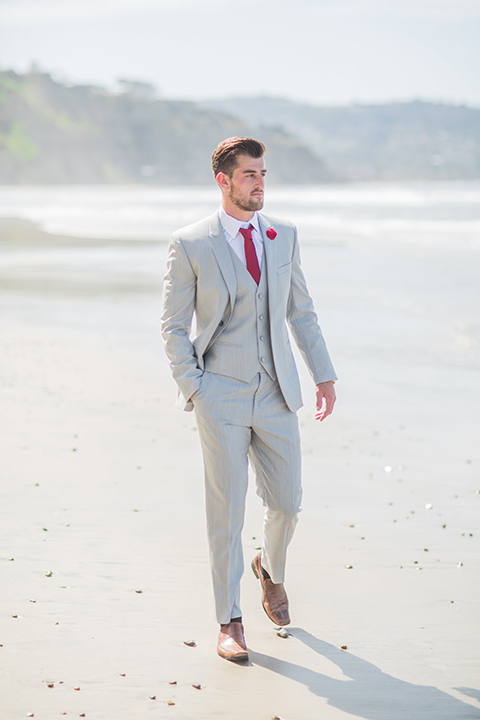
(275, 454)
(223, 408)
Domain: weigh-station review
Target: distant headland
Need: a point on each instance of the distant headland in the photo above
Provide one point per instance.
(55, 133)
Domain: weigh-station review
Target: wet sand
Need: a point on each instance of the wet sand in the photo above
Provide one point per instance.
(104, 559)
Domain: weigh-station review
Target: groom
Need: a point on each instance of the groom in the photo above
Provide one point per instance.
(238, 272)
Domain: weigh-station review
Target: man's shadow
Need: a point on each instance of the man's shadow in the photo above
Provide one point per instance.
(369, 693)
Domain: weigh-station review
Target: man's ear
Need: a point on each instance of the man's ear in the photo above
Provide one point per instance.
(223, 180)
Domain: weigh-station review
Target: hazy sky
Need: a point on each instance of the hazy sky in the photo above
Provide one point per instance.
(321, 51)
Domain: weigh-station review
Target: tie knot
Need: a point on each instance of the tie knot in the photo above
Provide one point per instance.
(247, 232)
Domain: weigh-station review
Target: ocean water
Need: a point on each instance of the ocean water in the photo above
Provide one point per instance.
(394, 270)
(441, 214)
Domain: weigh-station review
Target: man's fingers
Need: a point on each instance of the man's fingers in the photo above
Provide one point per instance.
(319, 414)
(326, 407)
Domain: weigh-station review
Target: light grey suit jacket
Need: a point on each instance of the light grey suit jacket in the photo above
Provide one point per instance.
(201, 282)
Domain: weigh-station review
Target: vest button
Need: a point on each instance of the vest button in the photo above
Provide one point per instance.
(260, 317)
(262, 359)
(261, 337)
(260, 296)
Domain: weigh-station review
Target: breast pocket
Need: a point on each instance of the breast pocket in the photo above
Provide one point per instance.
(284, 268)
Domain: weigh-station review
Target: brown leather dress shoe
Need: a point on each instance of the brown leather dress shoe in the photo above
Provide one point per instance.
(231, 642)
(274, 597)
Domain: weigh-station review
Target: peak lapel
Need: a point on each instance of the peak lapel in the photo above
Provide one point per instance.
(270, 251)
(223, 256)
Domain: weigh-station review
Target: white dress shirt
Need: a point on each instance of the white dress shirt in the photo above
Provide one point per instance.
(231, 227)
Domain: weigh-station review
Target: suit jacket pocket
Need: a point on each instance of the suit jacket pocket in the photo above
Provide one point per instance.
(227, 342)
(284, 268)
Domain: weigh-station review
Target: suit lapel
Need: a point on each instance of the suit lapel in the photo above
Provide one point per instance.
(270, 252)
(223, 256)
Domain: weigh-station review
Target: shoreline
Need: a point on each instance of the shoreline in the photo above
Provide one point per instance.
(17, 232)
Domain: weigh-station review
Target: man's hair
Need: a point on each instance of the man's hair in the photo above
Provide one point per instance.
(224, 158)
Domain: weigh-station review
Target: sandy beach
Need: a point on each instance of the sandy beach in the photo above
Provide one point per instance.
(104, 563)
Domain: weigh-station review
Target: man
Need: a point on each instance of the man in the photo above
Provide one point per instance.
(238, 272)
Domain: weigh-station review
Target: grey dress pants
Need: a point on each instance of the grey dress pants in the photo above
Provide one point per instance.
(240, 422)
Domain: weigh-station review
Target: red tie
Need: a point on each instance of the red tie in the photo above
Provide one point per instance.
(250, 254)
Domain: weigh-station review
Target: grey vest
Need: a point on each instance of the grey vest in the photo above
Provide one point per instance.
(244, 347)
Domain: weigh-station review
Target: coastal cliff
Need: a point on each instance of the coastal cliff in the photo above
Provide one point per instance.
(56, 133)
(52, 133)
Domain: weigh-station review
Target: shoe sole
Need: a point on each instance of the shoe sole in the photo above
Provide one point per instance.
(241, 657)
(235, 659)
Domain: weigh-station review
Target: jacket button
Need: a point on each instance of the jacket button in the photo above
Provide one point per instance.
(260, 317)
(220, 323)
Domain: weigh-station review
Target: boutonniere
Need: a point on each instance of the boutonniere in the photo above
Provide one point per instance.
(271, 234)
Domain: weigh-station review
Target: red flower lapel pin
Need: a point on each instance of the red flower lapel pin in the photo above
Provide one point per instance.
(271, 234)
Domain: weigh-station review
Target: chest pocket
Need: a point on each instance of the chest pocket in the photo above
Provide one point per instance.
(284, 268)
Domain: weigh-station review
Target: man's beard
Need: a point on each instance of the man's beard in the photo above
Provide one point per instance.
(250, 204)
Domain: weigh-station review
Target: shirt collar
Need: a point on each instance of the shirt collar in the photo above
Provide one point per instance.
(232, 226)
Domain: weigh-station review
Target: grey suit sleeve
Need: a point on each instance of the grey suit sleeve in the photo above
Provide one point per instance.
(179, 293)
(303, 323)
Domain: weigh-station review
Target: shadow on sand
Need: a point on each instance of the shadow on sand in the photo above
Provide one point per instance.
(369, 693)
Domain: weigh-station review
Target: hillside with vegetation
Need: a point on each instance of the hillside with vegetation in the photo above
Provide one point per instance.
(53, 133)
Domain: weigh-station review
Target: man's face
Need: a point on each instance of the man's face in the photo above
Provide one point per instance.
(247, 184)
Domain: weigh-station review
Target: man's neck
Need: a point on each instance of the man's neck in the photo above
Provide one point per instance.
(236, 212)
